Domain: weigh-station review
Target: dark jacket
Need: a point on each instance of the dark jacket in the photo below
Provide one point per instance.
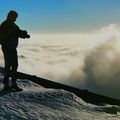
(9, 34)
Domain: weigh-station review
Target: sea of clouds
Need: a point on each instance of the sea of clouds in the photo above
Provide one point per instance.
(88, 61)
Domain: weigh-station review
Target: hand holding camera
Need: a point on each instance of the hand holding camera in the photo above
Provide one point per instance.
(25, 34)
(28, 36)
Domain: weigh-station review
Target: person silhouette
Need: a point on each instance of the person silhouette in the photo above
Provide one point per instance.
(9, 35)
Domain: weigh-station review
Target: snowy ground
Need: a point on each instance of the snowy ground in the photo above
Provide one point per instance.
(38, 103)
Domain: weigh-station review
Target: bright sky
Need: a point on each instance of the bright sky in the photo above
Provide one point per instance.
(62, 16)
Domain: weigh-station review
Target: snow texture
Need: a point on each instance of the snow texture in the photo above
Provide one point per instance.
(38, 103)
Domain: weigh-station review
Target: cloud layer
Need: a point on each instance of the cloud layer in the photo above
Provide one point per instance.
(102, 69)
(87, 61)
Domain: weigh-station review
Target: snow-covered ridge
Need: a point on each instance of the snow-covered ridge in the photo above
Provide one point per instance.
(38, 103)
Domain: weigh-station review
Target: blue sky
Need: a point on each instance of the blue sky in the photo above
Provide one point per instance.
(62, 16)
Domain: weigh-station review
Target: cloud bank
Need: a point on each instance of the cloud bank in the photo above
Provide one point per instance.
(87, 61)
(102, 69)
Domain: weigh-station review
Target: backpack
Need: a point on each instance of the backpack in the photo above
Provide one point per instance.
(4, 34)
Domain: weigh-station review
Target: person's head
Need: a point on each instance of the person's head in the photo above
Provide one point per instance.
(12, 16)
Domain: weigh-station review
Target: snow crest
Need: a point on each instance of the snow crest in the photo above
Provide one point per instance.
(38, 103)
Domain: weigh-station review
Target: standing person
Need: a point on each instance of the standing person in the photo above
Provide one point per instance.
(9, 34)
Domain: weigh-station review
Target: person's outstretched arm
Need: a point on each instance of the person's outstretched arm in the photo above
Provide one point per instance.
(22, 33)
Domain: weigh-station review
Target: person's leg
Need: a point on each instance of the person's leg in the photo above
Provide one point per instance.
(6, 75)
(7, 66)
(14, 63)
(14, 60)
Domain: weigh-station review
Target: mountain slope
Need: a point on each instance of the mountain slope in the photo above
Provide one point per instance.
(38, 103)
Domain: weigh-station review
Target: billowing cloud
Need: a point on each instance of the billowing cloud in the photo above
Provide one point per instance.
(102, 69)
(87, 61)
(111, 28)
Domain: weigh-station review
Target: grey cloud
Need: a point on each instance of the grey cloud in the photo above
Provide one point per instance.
(102, 69)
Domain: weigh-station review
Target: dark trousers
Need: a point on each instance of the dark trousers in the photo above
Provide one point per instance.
(11, 65)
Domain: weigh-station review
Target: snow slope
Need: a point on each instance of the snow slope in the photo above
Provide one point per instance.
(38, 103)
